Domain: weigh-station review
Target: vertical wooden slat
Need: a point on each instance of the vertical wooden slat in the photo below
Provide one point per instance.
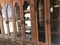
(49, 25)
(36, 24)
(22, 19)
(46, 21)
(14, 21)
(14, 24)
(33, 20)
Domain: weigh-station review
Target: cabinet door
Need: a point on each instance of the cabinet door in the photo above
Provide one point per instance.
(9, 23)
(55, 22)
(42, 21)
(18, 21)
(27, 21)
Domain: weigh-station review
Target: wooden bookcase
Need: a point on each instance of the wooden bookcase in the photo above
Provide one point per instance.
(43, 17)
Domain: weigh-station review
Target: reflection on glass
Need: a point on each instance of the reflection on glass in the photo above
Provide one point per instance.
(10, 25)
(27, 18)
(55, 21)
(18, 21)
(4, 20)
(41, 25)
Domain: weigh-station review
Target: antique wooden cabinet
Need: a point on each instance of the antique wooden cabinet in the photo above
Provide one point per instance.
(48, 22)
(31, 22)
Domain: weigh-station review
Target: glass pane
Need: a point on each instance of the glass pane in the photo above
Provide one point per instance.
(40, 16)
(27, 21)
(10, 20)
(18, 21)
(55, 21)
(4, 20)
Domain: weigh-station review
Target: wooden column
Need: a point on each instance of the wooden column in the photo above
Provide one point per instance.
(46, 22)
(22, 19)
(49, 24)
(14, 21)
(33, 20)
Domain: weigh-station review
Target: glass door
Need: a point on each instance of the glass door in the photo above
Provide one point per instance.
(42, 22)
(9, 21)
(27, 21)
(18, 20)
(4, 21)
(55, 21)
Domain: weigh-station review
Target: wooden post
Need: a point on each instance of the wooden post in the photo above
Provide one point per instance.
(14, 21)
(33, 21)
(22, 20)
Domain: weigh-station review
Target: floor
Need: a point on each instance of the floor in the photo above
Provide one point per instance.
(9, 42)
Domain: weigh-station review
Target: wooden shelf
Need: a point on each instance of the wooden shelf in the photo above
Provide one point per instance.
(51, 32)
(26, 11)
(42, 31)
(55, 19)
(57, 6)
(55, 32)
(41, 20)
(27, 20)
(40, 8)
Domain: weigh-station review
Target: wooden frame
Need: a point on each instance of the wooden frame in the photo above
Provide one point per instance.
(45, 17)
(34, 21)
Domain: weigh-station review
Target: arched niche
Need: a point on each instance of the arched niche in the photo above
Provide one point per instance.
(9, 11)
(27, 21)
(18, 21)
(17, 11)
